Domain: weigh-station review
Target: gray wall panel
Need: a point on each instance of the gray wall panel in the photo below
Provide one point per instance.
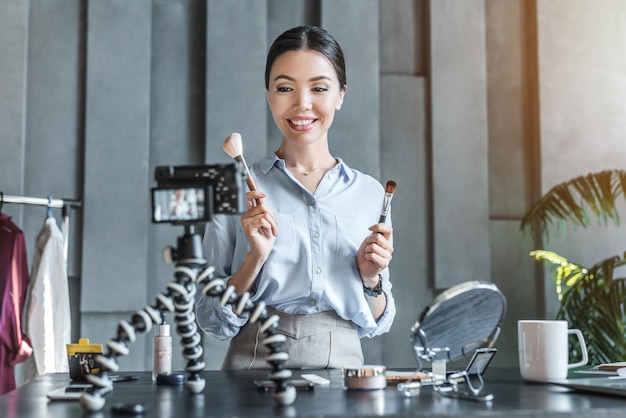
(404, 159)
(285, 14)
(54, 120)
(403, 37)
(236, 47)
(116, 203)
(177, 82)
(177, 117)
(13, 52)
(355, 135)
(509, 184)
(459, 142)
(513, 272)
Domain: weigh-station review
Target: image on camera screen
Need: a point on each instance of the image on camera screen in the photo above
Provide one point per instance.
(179, 204)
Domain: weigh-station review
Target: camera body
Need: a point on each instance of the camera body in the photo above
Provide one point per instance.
(193, 193)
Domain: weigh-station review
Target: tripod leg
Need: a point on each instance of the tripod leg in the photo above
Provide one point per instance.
(179, 298)
(184, 290)
(285, 393)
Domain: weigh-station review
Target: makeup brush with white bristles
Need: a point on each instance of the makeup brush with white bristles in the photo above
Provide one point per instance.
(390, 188)
(234, 148)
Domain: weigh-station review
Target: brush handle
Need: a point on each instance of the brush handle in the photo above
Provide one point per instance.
(249, 180)
(251, 184)
(383, 213)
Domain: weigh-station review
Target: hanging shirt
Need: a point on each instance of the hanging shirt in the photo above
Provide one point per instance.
(312, 267)
(49, 319)
(14, 347)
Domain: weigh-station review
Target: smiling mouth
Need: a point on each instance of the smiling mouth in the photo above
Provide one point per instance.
(302, 122)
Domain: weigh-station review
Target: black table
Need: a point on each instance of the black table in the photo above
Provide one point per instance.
(232, 394)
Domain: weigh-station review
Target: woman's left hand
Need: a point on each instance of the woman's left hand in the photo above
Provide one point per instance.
(374, 254)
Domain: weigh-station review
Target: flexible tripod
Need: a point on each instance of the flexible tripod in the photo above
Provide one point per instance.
(191, 270)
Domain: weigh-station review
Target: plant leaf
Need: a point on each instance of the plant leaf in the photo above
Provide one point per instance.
(571, 200)
(596, 305)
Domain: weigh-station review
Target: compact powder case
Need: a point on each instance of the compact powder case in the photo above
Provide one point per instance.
(365, 378)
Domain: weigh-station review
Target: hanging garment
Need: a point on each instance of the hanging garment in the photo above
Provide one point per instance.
(48, 318)
(14, 346)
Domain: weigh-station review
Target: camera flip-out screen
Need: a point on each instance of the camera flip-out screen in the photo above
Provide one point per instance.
(191, 194)
(180, 204)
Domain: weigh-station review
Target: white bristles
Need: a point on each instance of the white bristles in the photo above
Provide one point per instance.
(233, 145)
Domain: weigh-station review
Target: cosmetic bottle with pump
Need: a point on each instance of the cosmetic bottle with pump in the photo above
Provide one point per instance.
(162, 361)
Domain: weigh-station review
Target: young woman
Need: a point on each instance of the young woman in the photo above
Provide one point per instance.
(308, 246)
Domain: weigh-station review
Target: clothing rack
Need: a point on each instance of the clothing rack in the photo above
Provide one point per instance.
(64, 204)
(52, 203)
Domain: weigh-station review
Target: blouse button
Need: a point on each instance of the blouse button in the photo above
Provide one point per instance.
(318, 270)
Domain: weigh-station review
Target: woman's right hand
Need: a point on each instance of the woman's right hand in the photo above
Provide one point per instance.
(260, 226)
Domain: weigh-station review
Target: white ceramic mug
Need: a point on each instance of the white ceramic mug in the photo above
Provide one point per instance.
(544, 349)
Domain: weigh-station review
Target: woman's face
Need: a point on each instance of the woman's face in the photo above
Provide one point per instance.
(303, 95)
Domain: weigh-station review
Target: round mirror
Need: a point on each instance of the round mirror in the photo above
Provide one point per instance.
(460, 320)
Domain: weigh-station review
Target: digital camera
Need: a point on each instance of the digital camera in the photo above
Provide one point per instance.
(192, 194)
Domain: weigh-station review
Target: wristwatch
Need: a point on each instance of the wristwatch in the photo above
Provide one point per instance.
(377, 290)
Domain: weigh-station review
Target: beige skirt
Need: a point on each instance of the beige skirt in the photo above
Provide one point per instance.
(314, 341)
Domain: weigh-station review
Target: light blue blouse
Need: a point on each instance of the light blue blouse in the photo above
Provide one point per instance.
(312, 266)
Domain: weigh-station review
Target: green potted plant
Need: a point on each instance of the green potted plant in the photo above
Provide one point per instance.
(592, 299)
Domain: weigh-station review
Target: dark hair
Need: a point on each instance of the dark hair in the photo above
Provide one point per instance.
(307, 37)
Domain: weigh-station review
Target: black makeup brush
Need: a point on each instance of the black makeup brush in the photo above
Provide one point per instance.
(390, 188)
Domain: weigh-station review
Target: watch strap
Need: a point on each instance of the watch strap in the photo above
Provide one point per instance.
(377, 290)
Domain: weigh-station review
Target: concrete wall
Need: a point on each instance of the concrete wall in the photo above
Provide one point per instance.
(582, 63)
(474, 108)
